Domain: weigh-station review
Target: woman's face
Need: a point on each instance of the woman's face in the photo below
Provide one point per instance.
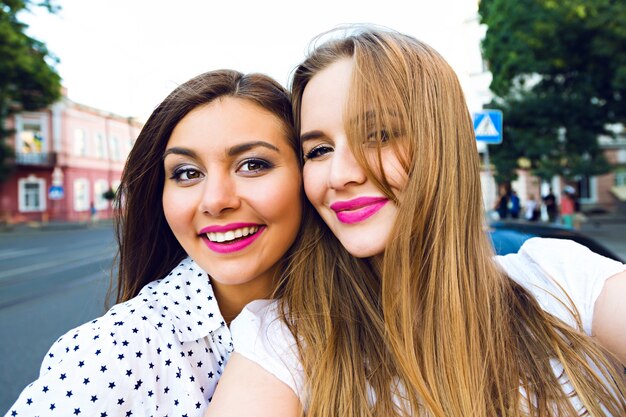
(356, 211)
(232, 191)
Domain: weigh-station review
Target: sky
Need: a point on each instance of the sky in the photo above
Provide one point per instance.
(125, 56)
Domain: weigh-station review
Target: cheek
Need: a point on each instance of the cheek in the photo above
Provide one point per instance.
(278, 199)
(172, 209)
(395, 173)
(313, 184)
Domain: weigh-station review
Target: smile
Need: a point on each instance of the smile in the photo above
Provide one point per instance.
(231, 238)
(359, 209)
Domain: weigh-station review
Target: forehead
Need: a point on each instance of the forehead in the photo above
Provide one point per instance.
(227, 120)
(327, 92)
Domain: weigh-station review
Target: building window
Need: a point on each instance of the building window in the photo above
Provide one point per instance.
(620, 177)
(31, 136)
(99, 188)
(31, 194)
(99, 146)
(80, 142)
(115, 149)
(81, 194)
(586, 189)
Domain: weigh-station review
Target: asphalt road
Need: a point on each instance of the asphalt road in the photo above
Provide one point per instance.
(50, 282)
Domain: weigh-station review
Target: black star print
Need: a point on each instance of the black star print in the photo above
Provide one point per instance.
(94, 398)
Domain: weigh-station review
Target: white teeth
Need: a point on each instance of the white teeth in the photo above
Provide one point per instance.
(220, 237)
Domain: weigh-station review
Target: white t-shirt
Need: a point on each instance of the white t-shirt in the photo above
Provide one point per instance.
(555, 271)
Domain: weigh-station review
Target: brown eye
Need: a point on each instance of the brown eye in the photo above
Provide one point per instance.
(186, 173)
(254, 165)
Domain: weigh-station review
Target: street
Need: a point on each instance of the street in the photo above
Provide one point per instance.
(50, 282)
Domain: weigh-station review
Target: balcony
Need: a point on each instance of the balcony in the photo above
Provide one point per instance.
(41, 159)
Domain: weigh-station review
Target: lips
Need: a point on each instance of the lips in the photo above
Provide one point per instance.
(358, 209)
(231, 237)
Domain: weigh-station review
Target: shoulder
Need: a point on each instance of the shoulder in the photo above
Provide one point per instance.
(562, 275)
(260, 335)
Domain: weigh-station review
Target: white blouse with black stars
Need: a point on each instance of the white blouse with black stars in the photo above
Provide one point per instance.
(159, 354)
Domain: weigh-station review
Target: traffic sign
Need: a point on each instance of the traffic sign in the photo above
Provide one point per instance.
(55, 192)
(488, 126)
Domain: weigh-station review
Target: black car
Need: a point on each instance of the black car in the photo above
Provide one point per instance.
(508, 236)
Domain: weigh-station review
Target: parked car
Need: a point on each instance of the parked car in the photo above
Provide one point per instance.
(508, 236)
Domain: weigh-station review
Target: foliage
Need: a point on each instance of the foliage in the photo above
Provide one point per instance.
(109, 194)
(28, 80)
(559, 75)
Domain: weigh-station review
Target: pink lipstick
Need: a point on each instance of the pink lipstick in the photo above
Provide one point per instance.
(232, 237)
(359, 209)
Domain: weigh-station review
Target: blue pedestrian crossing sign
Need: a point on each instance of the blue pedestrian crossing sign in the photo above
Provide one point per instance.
(488, 126)
(55, 192)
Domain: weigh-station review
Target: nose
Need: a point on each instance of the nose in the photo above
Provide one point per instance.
(219, 195)
(344, 169)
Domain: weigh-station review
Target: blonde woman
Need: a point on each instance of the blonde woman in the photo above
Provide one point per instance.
(421, 319)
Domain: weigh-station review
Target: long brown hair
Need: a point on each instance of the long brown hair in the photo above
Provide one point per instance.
(437, 329)
(148, 249)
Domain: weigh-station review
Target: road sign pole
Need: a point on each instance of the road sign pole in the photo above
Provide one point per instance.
(489, 187)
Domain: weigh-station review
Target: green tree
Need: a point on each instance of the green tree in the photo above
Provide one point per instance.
(28, 80)
(559, 75)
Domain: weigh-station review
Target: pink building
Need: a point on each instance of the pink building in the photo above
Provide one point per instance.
(66, 157)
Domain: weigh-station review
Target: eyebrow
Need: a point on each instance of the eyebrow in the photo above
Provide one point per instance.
(316, 134)
(179, 151)
(233, 151)
(313, 134)
(244, 147)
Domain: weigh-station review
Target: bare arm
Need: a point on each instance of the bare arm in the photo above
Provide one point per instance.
(609, 317)
(246, 389)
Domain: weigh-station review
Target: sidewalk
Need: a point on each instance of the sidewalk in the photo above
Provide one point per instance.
(52, 225)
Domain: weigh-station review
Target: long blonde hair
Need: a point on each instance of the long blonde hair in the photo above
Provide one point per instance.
(437, 329)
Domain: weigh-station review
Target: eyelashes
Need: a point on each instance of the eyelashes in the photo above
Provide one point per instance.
(373, 139)
(186, 173)
(250, 167)
(317, 152)
(254, 165)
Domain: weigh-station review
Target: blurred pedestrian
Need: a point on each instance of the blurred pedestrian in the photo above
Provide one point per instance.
(567, 208)
(514, 205)
(549, 201)
(502, 204)
(93, 213)
(531, 209)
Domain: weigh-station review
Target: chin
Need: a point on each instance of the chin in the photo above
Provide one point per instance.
(361, 252)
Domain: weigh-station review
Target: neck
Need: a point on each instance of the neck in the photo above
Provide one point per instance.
(232, 298)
